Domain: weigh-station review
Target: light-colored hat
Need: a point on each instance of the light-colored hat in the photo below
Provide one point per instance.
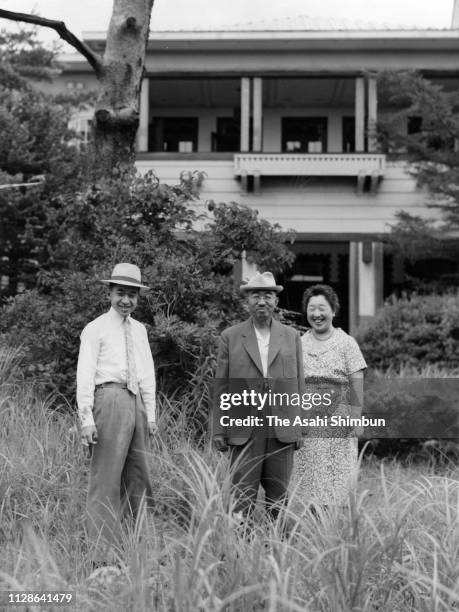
(262, 282)
(125, 274)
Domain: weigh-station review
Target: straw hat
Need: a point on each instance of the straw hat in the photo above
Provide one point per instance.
(262, 281)
(125, 274)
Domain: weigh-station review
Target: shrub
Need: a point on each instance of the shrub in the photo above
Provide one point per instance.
(415, 330)
(192, 298)
(418, 405)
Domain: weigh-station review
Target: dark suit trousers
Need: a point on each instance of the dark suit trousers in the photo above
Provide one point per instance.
(262, 460)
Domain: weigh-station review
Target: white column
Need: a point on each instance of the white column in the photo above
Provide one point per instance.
(257, 114)
(144, 116)
(455, 17)
(245, 114)
(370, 272)
(372, 114)
(244, 270)
(359, 114)
(353, 287)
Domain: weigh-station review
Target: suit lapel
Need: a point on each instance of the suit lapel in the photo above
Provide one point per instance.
(251, 345)
(275, 341)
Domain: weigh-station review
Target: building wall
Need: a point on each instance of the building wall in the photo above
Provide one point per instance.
(70, 81)
(237, 62)
(306, 204)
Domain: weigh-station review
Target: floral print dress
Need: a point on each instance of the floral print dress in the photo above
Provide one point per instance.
(325, 466)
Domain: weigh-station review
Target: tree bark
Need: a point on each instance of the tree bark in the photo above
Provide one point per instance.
(119, 72)
(117, 109)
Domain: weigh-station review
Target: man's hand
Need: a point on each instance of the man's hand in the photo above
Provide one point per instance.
(152, 428)
(220, 443)
(89, 435)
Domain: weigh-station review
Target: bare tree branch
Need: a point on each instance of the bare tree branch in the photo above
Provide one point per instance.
(93, 58)
(39, 180)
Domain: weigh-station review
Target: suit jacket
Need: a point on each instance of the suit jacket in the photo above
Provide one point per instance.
(239, 367)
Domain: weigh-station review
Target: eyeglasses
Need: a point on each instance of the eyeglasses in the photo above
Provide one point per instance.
(269, 296)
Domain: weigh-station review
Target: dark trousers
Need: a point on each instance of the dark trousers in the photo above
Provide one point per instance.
(118, 476)
(265, 461)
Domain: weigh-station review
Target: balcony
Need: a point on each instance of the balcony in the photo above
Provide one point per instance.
(309, 164)
(360, 165)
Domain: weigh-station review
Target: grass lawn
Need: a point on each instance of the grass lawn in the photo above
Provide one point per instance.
(396, 548)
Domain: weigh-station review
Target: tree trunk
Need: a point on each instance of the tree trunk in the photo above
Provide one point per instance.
(116, 118)
(119, 73)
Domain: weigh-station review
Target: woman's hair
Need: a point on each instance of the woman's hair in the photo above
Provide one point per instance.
(324, 290)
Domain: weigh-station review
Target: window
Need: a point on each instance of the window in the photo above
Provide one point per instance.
(75, 85)
(348, 131)
(81, 123)
(304, 134)
(175, 134)
(228, 134)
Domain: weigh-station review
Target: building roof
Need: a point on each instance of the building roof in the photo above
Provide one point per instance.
(303, 23)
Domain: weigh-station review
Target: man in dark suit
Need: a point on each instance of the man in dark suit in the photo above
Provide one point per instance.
(259, 373)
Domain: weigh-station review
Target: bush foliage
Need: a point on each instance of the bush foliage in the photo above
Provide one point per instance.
(414, 330)
(193, 293)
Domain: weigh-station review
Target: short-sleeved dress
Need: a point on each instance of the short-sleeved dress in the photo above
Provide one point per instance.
(325, 466)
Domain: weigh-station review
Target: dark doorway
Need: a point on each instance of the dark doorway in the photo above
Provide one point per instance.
(317, 263)
(348, 134)
(227, 138)
(174, 134)
(304, 134)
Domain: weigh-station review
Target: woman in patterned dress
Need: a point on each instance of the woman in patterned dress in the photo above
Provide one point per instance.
(325, 466)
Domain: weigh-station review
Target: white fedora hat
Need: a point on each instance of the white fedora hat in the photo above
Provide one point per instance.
(125, 274)
(262, 282)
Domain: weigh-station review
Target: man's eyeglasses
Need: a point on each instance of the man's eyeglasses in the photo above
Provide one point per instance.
(269, 296)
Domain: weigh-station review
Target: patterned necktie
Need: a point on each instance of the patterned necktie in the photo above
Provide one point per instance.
(131, 381)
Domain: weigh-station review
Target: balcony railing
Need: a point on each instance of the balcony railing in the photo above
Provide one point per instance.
(309, 164)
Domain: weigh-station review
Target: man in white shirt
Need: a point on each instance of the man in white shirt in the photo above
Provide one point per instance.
(259, 358)
(116, 392)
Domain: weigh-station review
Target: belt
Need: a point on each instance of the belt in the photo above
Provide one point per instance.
(112, 384)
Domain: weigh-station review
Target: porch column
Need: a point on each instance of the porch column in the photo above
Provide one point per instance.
(257, 114)
(245, 114)
(370, 271)
(144, 115)
(359, 114)
(243, 270)
(353, 286)
(455, 17)
(372, 114)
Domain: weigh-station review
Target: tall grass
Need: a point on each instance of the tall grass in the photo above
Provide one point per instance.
(394, 548)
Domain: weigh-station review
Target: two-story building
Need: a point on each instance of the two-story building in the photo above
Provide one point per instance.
(281, 117)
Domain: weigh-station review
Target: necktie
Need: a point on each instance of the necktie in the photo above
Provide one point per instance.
(131, 381)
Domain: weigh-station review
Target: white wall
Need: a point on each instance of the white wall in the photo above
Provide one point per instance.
(306, 204)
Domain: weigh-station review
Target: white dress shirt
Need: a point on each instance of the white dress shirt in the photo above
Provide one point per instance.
(263, 347)
(103, 358)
